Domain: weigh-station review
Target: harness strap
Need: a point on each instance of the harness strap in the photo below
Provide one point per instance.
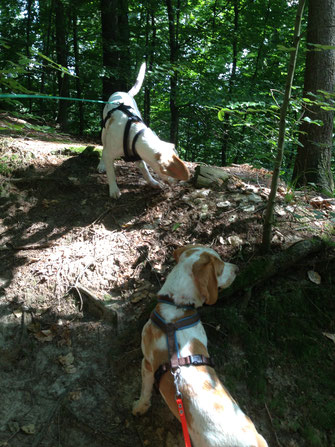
(133, 148)
(132, 118)
(170, 330)
(196, 360)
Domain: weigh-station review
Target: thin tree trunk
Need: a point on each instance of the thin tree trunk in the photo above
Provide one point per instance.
(150, 44)
(46, 44)
(77, 70)
(61, 50)
(261, 45)
(29, 2)
(173, 38)
(226, 119)
(268, 220)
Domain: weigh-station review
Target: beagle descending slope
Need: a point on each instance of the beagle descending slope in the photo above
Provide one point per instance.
(174, 346)
(125, 135)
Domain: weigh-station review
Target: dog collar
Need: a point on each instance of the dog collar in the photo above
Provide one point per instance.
(166, 299)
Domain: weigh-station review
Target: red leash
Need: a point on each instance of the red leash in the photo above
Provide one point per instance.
(181, 413)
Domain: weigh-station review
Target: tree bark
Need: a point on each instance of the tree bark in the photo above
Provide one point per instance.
(115, 46)
(28, 29)
(313, 160)
(62, 55)
(77, 70)
(173, 38)
(226, 119)
(151, 32)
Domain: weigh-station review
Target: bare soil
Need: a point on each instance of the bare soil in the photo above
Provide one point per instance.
(70, 368)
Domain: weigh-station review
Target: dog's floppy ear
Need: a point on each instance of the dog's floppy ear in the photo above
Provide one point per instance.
(178, 252)
(175, 168)
(205, 272)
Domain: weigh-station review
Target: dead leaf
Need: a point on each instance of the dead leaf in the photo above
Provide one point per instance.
(44, 335)
(67, 363)
(320, 203)
(330, 336)
(235, 241)
(29, 429)
(74, 395)
(225, 204)
(314, 277)
(138, 297)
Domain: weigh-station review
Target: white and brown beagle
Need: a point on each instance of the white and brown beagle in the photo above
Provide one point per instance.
(124, 134)
(213, 417)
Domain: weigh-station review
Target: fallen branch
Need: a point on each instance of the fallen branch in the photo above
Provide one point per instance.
(265, 267)
(10, 246)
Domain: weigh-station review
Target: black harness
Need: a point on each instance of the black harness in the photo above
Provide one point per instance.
(129, 154)
(170, 330)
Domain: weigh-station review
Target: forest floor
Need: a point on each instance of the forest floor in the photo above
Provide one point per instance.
(79, 273)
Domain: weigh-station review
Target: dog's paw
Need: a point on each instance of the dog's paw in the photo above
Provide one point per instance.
(140, 407)
(114, 192)
(154, 184)
(101, 167)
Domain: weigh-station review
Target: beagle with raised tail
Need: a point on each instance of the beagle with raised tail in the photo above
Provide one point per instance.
(125, 135)
(180, 363)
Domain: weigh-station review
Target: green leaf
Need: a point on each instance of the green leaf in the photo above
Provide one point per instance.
(176, 226)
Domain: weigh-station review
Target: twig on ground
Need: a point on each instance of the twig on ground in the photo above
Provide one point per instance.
(273, 429)
(39, 437)
(11, 246)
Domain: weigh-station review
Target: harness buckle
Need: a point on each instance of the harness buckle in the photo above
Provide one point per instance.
(176, 379)
(196, 359)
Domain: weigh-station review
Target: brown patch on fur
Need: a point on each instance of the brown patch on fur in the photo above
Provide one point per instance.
(205, 278)
(157, 156)
(176, 169)
(196, 347)
(189, 248)
(110, 121)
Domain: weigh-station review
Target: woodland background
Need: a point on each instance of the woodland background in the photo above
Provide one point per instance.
(79, 272)
(215, 79)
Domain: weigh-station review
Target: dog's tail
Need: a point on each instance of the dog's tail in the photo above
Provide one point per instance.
(139, 81)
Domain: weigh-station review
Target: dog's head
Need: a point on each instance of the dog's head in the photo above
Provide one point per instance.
(169, 164)
(208, 270)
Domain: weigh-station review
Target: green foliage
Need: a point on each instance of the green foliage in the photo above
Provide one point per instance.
(206, 34)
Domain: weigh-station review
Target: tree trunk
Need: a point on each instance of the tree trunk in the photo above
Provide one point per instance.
(28, 48)
(62, 54)
(226, 119)
(312, 164)
(173, 38)
(77, 70)
(151, 32)
(46, 10)
(115, 46)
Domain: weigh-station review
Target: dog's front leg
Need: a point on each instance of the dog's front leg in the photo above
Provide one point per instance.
(142, 405)
(142, 166)
(114, 191)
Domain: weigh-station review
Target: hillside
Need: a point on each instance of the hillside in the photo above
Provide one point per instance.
(79, 273)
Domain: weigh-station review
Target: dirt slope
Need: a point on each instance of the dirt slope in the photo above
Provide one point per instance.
(70, 368)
